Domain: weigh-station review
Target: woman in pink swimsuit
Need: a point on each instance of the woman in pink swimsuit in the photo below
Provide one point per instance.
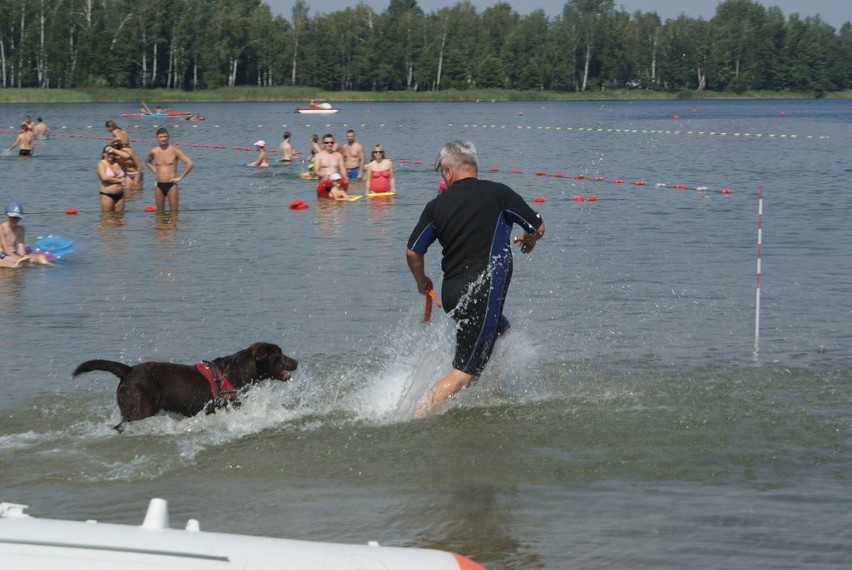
(112, 179)
(378, 176)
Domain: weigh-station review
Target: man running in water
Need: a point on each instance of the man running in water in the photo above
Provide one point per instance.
(472, 220)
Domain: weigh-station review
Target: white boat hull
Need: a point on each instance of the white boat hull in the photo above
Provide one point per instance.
(27, 542)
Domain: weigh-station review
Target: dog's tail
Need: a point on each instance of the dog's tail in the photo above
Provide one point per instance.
(119, 369)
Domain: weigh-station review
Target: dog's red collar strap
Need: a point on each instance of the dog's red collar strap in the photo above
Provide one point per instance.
(220, 386)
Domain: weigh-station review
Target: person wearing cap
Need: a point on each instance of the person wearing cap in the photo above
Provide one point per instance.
(472, 219)
(337, 191)
(13, 252)
(261, 160)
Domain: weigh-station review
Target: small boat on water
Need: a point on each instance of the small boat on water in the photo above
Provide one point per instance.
(28, 542)
(158, 114)
(317, 109)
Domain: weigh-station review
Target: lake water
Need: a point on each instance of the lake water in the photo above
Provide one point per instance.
(626, 422)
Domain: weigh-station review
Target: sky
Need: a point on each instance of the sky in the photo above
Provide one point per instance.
(832, 12)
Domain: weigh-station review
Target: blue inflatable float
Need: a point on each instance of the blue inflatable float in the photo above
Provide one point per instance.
(57, 245)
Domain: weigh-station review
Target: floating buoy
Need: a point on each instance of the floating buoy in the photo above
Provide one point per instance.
(150, 209)
(639, 183)
(520, 113)
(678, 186)
(71, 211)
(418, 162)
(516, 171)
(592, 198)
(676, 117)
(559, 175)
(296, 204)
(538, 199)
(540, 173)
(493, 170)
(580, 177)
(726, 191)
(578, 198)
(618, 181)
(598, 178)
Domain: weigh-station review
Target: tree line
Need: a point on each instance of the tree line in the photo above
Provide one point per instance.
(203, 44)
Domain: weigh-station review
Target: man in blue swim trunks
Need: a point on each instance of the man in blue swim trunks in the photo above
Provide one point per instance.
(353, 156)
(472, 219)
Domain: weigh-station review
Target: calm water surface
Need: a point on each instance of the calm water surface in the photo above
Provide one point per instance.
(624, 423)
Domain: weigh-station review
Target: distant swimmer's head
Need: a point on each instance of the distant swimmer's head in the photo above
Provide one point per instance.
(287, 135)
(261, 144)
(14, 210)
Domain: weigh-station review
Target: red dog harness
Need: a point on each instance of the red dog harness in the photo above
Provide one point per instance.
(220, 386)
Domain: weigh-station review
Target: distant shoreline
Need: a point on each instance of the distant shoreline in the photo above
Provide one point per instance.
(303, 94)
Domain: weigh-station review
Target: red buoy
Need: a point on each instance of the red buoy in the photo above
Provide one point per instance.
(71, 211)
(538, 199)
(150, 209)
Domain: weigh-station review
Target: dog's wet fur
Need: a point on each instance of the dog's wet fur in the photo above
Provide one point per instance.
(149, 387)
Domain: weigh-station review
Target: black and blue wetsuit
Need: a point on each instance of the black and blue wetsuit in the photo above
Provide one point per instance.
(473, 220)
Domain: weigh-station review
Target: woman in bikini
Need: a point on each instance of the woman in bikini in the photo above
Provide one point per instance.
(112, 179)
(378, 176)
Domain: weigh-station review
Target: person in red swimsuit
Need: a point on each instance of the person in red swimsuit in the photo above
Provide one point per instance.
(379, 177)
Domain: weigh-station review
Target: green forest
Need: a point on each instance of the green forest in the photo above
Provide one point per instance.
(591, 46)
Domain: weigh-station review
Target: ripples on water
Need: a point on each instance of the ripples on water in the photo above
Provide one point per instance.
(623, 422)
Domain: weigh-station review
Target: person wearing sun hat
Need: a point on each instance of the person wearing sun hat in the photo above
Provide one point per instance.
(13, 252)
(261, 161)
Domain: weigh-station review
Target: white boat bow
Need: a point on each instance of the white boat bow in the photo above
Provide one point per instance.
(28, 542)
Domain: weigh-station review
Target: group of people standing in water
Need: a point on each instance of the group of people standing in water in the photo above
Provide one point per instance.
(335, 166)
(120, 170)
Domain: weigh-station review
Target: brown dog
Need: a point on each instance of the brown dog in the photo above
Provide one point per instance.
(147, 388)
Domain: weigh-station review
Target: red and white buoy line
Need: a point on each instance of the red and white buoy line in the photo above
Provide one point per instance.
(592, 179)
(580, 178)
(758, 271)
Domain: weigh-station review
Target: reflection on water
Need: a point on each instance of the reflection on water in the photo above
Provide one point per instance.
(12, 281)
